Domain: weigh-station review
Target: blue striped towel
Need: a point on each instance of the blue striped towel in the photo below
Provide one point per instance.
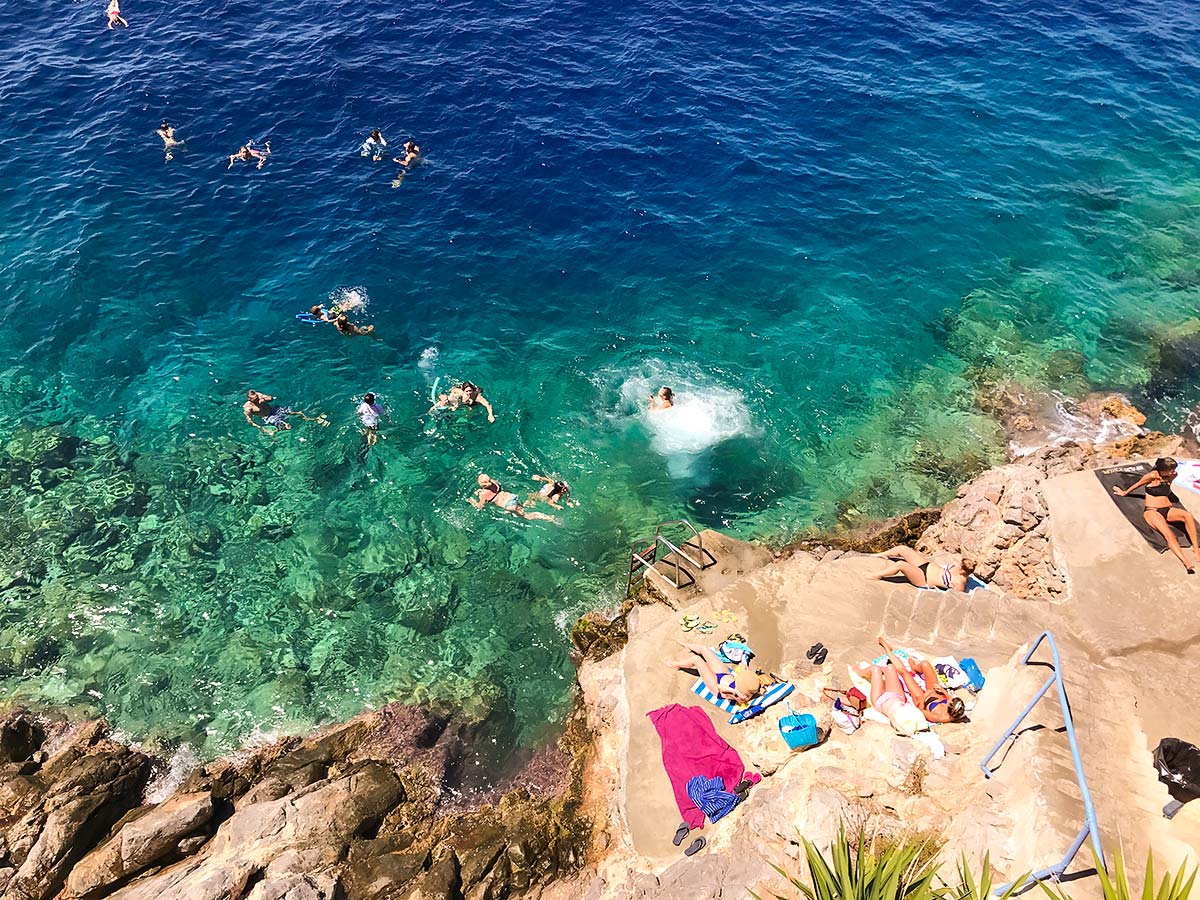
(738, 712)
(710, 796)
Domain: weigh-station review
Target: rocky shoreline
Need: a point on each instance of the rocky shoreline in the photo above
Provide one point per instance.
(368, 809)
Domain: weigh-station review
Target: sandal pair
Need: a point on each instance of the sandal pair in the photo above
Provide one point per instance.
(694, 847)
(817, 653)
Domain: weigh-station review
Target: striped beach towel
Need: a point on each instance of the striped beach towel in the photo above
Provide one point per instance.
(739, 712)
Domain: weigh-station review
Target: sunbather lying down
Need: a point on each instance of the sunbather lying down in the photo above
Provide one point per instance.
(932, 702)
(738, 684)
(922, 571)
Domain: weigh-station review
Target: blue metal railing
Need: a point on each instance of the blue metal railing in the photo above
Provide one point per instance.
(1090, 827)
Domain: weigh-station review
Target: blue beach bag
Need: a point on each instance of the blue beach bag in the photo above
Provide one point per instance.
(798, 730)
(971, 670)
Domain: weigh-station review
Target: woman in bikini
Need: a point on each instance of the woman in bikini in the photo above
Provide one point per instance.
(491, 492)
(553, 491)
(934, 701)
(922, 572)
(1161, 508)
(739, 685)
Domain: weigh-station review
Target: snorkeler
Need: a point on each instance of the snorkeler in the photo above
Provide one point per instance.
(412, 152)
(114, 14)
(491, 492)
(166, 131)
(259, 404)
(247, 153)
(465, 394)
(664, 399)
(369, 413)
(553, 491)
(373, 145)
(346, 327)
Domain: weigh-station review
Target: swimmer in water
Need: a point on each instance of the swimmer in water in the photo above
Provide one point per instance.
(348, 328)
(321, 313)
(664, 399)
(465, 394)
(554, 491)
(259, 404)
(491, 492)
(114, 14)
(247, 153)
(412, 151)
(166, 131)
(369, 413)
(373, 145)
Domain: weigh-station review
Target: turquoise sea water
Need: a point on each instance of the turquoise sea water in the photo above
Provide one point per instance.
(826, 226)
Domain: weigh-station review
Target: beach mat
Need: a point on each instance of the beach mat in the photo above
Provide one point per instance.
(740, 713)
(1131, 506)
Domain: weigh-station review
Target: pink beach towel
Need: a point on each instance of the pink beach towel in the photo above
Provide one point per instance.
(691, 746)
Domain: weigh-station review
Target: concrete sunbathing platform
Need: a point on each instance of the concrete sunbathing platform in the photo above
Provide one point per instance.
(1130, 640)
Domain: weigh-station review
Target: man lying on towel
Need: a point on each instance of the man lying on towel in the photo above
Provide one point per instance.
(737, 683)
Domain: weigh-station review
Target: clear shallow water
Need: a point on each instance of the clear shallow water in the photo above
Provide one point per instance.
(825, 227)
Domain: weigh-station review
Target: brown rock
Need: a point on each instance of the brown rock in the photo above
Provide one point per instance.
(1118, 407)
(139, 843)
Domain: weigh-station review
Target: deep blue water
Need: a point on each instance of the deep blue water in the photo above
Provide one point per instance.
(826, 225)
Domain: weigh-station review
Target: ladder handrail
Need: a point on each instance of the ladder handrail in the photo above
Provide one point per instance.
(1090, 826)
(638, 561)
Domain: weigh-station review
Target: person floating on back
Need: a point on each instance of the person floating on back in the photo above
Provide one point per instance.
(259, 404)
(166, 131)
(412, 152)
(490, 492)
(248, 153)
(1163, 508)
(114, 14)
(373, 145)
(369, 413)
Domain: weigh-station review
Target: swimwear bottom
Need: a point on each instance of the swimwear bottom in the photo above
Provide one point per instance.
(512, 503)
(279, 417)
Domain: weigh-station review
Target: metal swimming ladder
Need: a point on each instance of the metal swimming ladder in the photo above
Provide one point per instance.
(644, 560)
(1090, 827)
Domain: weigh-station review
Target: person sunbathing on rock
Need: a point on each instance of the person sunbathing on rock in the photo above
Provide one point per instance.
(739, 685)
(932, 700)
(1162, 508)
(916, 568)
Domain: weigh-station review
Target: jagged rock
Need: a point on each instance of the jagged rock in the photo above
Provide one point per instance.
(56, 811)
(139, 843)
(21, 735)
(596, 636)
(1118, 407)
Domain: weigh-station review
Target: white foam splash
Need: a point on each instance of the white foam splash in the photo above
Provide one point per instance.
(705, 412)
(167, 781)
(348, 298)
(429, 358)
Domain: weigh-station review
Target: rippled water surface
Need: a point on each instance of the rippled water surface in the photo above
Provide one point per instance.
(828, 227)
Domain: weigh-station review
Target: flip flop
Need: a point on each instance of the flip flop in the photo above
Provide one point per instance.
(687, 623)
(680, 833)
(814, 649)
(695, 847)
(819, 659)
(706, 627)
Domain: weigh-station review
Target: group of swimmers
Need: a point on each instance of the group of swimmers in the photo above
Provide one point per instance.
(554, 492)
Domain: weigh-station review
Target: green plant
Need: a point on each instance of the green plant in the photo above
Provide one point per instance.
(863, 870)
(971, 888)
(1116, 884)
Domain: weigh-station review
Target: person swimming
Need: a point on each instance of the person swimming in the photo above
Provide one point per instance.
(166, 131)
(259, 404)
(248, 153)
(664, 399)
(373, 145)
(490, 492)
(114, 14)
(553, 491)
(348, 328)
(369, 413)
(412, 152)
(465, 394)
